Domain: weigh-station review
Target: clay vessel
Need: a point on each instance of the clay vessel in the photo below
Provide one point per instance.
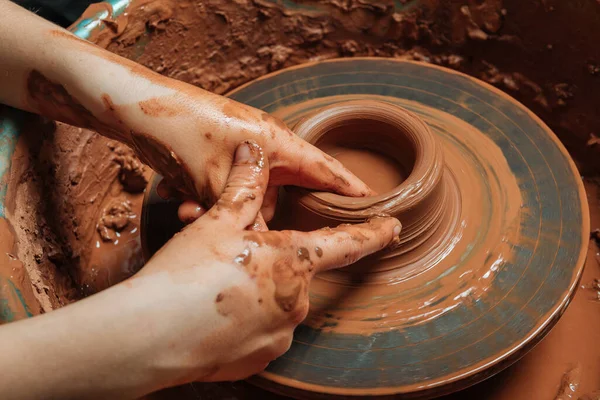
(382, 128)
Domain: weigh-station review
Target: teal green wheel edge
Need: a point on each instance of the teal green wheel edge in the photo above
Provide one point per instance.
(551, 187)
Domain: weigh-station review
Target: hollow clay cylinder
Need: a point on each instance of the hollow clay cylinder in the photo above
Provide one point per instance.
(374, 135)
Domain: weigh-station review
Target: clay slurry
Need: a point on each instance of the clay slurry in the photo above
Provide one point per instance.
(380, 172)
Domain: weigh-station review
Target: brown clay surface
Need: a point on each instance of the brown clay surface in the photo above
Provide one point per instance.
(16, 291)
(567, 354)
(62, 189)
(74, 201)
(464, 204)
(384, 175)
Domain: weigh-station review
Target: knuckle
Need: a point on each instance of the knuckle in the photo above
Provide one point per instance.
(283, 343)
(299, 313)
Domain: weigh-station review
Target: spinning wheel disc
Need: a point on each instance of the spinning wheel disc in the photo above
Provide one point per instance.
(477, 299)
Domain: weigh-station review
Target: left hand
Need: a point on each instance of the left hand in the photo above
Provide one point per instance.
(185, 133)
(292, 160)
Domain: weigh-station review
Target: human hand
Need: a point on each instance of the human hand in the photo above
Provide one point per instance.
(292, 162)
(217, 302)
(241, 293)
(185, 133)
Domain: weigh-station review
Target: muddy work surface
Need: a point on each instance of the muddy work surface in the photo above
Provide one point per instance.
(74, 204)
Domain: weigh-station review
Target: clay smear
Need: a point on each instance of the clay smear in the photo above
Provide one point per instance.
(453, 267)
(384, 174)
(74, 199)
(16, 295)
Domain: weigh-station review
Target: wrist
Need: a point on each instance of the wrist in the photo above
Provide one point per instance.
(155, 325)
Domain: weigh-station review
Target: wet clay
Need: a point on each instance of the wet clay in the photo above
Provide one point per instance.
(565, 362)
(16, 295)
(541, 374)
(216, 45)
(74, 198)
(464, 193)
(382, 174)
(396, 134)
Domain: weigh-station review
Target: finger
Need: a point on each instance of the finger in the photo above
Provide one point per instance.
(334, 248)
(189, 211)
(245, 188)
(269, 202)
(311, 168)
(164, 191)
(259, 224)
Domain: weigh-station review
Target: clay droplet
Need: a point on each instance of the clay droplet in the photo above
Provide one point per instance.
(319, 252)
(244, 257)
(303, 254)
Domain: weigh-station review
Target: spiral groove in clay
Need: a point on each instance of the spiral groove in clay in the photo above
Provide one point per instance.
(418, 202)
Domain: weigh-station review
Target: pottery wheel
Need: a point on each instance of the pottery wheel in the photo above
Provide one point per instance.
(479, 294)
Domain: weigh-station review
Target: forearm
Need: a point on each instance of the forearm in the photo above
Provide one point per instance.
(47, 70)
(111, 345)
(124, 342)
(76, 352)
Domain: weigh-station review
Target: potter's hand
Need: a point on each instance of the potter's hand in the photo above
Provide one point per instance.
(249, 290)
(185, 133)
(217, 302)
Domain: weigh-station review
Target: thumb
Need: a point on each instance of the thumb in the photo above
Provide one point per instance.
(245, 188)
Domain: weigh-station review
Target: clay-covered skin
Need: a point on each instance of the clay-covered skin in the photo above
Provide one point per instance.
(257, 281)
(181, 170)
(55, 82)
(248, 290)
(217, 46)
(185, 133)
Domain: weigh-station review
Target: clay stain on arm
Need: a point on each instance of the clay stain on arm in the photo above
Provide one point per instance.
(156, 108)
(235, 302)
(54, 101)
(244, 257)
(134, 67)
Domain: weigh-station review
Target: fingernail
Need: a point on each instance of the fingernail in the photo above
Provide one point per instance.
(397, 230)
(163, 190)
(370, 192)
(246, 153)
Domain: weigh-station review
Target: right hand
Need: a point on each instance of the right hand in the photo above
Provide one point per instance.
(239, 294)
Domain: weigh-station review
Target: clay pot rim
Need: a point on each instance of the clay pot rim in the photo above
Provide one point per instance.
(426, 173)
